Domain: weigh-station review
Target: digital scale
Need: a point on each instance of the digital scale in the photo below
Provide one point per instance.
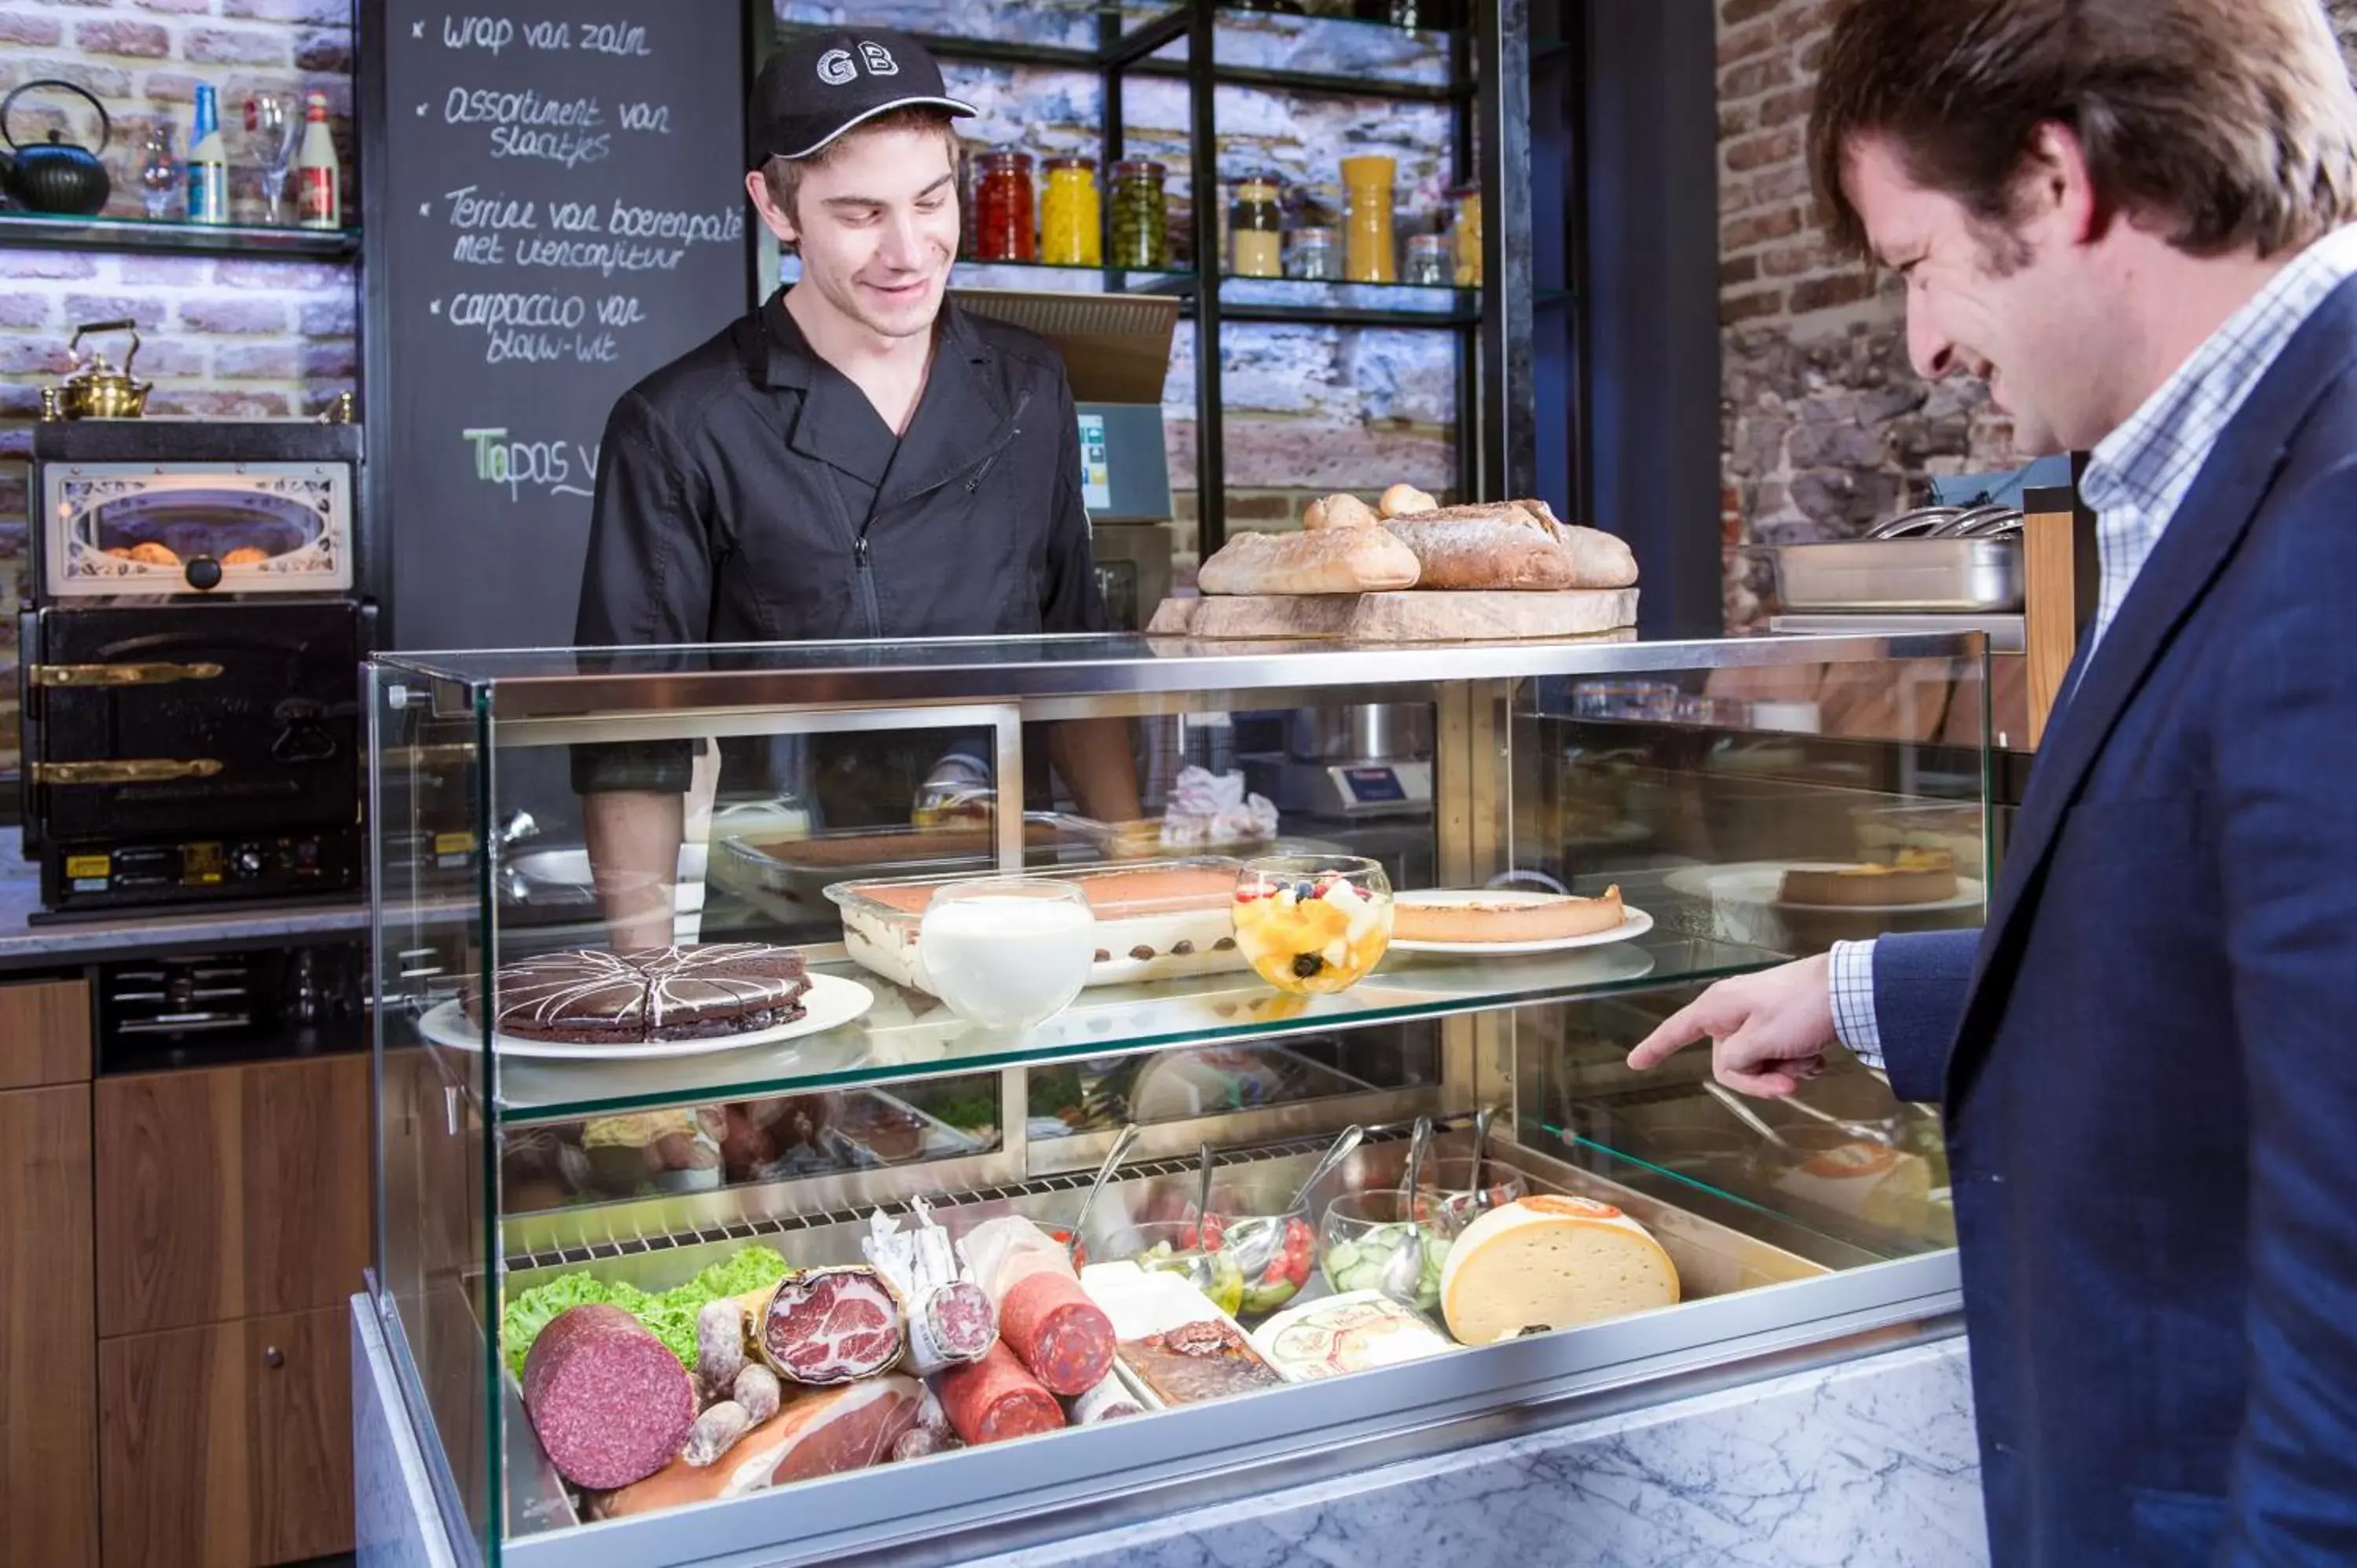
(1349, 792)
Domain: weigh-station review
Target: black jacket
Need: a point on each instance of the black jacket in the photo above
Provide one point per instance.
(749, 492)
(731, 486)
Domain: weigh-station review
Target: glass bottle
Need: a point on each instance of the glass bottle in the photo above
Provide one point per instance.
(1072, 216)
(1427, 260)
(1311, 257)
(319, 199)
(1465, 230)
(1256, 231)
(1002, 207)
(208, 162)
(159, 172)
(1368, 252)
(1141, 215)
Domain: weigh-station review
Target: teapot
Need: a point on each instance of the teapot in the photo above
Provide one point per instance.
(97, 390)
(56, 176)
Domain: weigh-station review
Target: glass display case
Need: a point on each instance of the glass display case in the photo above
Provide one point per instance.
(670, 1000)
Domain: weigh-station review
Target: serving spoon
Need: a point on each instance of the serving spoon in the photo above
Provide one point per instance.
(1403, 1271)
(1121, 1143)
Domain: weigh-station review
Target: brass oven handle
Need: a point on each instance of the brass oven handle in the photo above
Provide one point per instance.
(139, 770)
(85, 675)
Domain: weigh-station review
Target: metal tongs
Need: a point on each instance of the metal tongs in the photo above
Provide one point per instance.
(1988, 521)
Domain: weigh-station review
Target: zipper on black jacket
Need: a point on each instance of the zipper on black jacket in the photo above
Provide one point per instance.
(868, 601)
(982, 473)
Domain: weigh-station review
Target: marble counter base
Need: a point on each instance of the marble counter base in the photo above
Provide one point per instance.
(1869, 1465)
(392, 1521)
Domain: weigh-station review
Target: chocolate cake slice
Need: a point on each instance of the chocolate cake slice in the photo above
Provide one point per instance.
(577, 998)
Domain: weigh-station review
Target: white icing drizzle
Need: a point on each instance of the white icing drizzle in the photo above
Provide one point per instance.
(630, 995)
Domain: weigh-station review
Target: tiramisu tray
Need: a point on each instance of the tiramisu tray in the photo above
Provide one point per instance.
(1154, 920)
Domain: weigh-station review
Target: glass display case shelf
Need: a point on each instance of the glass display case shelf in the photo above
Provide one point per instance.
(75, 233)
(906, 1035)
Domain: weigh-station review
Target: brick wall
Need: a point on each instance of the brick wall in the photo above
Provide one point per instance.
(1825, 426)
(222, 337)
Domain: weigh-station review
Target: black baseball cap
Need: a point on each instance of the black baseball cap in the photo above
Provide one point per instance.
(819, 85)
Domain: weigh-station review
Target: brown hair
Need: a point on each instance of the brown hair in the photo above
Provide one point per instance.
(784, 175)
(2226, 127)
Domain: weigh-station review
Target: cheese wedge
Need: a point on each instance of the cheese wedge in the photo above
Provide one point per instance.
(1551, 1262)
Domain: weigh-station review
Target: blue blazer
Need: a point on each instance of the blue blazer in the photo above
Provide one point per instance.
(2148, 1059)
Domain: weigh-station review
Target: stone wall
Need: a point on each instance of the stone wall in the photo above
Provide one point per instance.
(222, 337)
(1825, 426)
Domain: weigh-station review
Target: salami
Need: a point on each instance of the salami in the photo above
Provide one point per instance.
(828, 1326)
(1063, 1337)
(720, 1346)
(951, 1320)
(715, 1432)
(757, 1389)
(610, 1404)
(996, 1399)
(1109, 1400)
(923, 1443)
(817, 1432)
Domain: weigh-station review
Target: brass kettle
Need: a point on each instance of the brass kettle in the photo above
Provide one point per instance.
(56, 176)
(97, 390)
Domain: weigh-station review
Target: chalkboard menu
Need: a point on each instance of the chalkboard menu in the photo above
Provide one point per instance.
(554, 207)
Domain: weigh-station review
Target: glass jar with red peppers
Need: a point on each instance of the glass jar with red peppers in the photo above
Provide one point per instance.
(1004, 227)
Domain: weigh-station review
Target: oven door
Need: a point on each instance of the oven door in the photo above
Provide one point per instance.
(194, 720)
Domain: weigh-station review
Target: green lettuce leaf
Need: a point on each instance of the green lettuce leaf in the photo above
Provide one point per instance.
(670, 1316)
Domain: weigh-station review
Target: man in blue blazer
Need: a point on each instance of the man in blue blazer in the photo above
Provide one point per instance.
(2130, 220)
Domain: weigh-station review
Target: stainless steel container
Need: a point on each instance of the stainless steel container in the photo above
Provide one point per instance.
(1361, 732)
(1961, 576)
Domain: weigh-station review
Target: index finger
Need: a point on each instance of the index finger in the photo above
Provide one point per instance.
(1688, 1026)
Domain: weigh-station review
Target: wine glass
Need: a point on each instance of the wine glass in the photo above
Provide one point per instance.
(273, 124)
(160, 177)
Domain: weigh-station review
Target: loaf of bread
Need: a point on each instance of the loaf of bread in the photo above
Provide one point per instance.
(1339, 512)
(1511, 545)
(1508, 549)
(1326, 560)
(1406, 500)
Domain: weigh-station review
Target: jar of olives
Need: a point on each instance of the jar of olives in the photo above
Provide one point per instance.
(1141, 215)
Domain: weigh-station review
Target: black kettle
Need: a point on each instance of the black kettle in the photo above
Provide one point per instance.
(56, 176)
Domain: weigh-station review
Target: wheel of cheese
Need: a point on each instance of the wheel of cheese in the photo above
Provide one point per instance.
(1551, 1262)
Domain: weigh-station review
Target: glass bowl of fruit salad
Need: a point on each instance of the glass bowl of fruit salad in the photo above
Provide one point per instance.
(1313, 924)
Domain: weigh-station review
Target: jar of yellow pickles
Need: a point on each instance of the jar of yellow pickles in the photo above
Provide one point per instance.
(1072, 231)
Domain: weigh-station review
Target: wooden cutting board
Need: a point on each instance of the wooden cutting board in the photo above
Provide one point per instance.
(1414, 615)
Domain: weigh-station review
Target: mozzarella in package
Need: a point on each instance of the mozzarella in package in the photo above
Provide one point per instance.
(1351, 1333)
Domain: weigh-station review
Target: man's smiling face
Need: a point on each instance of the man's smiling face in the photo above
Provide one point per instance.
(877, 223)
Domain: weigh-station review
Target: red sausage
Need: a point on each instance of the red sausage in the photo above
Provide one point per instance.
(1063, 1337)
(994, 1398)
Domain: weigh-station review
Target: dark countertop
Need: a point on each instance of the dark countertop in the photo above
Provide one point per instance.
(24, 945)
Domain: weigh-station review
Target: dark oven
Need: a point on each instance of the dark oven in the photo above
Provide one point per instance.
(191, 647)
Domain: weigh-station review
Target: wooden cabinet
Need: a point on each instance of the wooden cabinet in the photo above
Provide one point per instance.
(228, 1445)
(44, 1034)
(49, 1458)
(230, 1192)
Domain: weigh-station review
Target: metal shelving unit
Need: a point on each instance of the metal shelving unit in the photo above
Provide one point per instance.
(1488, 86)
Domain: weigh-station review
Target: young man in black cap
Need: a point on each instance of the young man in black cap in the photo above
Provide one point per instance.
(857, 458)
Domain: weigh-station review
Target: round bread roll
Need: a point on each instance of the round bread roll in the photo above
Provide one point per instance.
(147, 552)
(1406, 500)
(245, 556)
(1340, 512)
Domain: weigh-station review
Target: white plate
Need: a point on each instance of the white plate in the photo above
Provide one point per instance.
(1633, 923)
(1759, 882)
(830, 1003)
